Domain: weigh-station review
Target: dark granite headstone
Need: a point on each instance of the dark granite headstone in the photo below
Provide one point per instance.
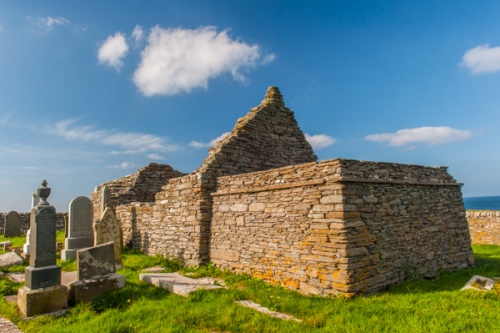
(96, 261)
(79, 229)
(12, 227)
(43, 271)
(42, 291)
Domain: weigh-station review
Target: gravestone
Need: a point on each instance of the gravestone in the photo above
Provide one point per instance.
(79, 227)
(42, 292)
(106, 199)
(34, 200)
(96, 273)
(12, 226)
(26, 246)
(107, 229)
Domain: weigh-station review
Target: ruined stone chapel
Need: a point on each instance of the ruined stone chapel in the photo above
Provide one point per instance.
(261, 204)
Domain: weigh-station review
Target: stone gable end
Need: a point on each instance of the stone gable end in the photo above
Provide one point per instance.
(261, 204)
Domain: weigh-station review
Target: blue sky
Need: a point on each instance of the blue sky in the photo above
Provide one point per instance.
(93, 90)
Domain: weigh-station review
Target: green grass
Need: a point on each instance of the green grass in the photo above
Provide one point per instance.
(420, 305)
(20, 240)
(15, 241)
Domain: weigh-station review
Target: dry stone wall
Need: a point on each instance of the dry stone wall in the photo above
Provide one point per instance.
(177, 223)
(265, 138)
(25, 221)
(340, 226)
(261, 204)
(484, 226)
(175, 226)
(141, 186)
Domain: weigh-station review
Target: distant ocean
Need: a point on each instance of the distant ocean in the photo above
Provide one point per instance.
(482, 203)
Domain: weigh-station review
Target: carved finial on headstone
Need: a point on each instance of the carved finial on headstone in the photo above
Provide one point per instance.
(273, 95)
(43, 193)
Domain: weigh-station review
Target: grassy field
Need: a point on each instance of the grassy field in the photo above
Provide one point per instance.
(416, 306)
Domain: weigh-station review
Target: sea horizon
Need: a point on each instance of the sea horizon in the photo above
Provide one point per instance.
(482, 203)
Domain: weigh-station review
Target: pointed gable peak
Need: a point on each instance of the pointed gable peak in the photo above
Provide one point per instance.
(273, 96)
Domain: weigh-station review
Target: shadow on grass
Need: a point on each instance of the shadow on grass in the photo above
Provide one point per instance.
(126, 296)
(487, 259)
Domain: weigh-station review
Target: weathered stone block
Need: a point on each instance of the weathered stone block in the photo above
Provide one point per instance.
(35, 302)
(88, 289)
(256, 207)
(10, 259)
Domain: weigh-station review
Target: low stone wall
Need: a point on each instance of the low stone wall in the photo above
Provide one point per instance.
(176, 225)
(25, 221)
(340, 226)
(484, 226)
(141, 186)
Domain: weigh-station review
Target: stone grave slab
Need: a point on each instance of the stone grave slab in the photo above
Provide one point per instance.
(10, 259)
(262, 309)
(87, 290)
(96, 261)
(16, 277)
(96, 273)
(7, 326)
(79, 227)
(178, 284)
(12, 227)
(479, 283)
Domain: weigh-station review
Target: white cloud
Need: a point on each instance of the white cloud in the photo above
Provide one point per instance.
(32, 168)
(123, 165)
(131, 141)
(155, 157)
(319, 141)
(113, 50)
(428, 135)
(138, 35)
(53, 21)
(46, 24)
(179, 60)
(482, 59)
(198, 145)
(269, 58)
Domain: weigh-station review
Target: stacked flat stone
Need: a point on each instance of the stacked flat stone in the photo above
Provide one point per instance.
(484, 226)
(25, 221)
(262, 205)
(141, 186)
